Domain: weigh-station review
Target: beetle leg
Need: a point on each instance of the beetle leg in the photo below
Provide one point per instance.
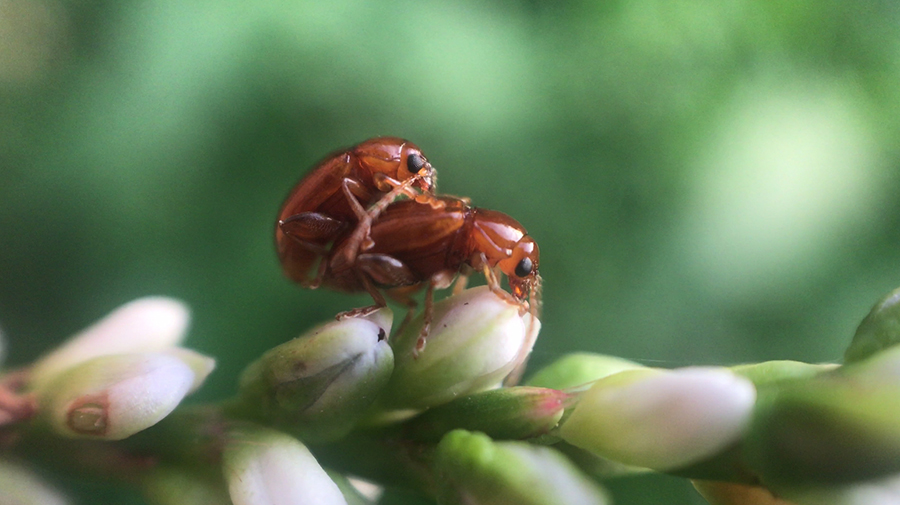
(320, 274)
(427, 316)
(463, 280)
(385, 270)
(310, 230)
(306, 227)
(403, 295)
(493, 281)
(365, 311)
(355, 243)
(351, 199)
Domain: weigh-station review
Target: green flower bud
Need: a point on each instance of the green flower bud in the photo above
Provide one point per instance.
(144, 325)
(113, 397)
(19, 486)
(879, 330)
(834, 429)
(770, 372)
(319, 384)
(661, 419)
(475, 341)
(178, 486)
(881, 368)
(579, 369)
(506, 413)
(472, 469)
(263, 467)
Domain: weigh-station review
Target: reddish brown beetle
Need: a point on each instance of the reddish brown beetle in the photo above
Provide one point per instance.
(416, 243)
(345, 192)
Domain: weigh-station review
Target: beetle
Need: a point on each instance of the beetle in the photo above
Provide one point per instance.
(415, 244)
(347, 190)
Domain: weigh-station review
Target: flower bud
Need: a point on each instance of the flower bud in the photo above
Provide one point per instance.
(319, 384)
(579, 369)
(113, 397)
(506, 413)
(879, 330)
(263, 467)
(771, 372)
(661, 419)
(200, 364)
(882, 368)
(475, 342)
(145, 325)
(355, 491)
(19, 486)
(473, 469)
(837, 428)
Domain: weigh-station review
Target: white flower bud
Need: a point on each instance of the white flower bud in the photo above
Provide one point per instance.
(113, 397)
(661, 419)
(144, 325)
(200, 364)
(476, 338)
(267, 467)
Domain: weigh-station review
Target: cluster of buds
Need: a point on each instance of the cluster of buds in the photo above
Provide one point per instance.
(121, 375)
(347, 400)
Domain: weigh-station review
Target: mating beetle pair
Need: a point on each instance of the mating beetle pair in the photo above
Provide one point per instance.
(346, 225)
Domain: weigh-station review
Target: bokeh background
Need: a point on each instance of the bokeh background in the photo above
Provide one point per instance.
(710, 182)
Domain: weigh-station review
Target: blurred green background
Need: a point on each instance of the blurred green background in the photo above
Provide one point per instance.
(710, 182)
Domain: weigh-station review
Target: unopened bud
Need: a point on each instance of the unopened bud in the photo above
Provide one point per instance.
(834, 429)
(267, 467)
(882, 368)
(473, 469)
(506, 413)
(661, 419)
(200, 364)
(113, 397)
(319, 384)
(579, 369)
(144, 325)
(355, 491)
(879, 330)
(475, 341)
(771, 372)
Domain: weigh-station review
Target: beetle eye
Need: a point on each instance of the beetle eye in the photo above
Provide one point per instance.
(415, 162)
(524, 267)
